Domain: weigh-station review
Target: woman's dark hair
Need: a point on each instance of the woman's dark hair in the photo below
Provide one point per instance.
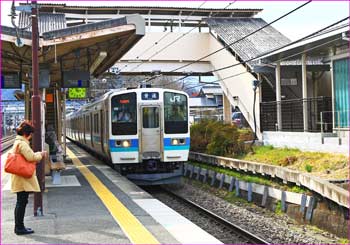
(25, 128)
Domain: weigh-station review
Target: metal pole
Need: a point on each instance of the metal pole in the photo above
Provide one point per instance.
(64, 124)
(278, 96)
(36, 111)
(304, 92)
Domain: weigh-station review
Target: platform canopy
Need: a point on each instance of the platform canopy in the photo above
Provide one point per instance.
(93, 47)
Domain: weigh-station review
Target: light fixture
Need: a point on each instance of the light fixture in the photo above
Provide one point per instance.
(126, 143)
(101, 56)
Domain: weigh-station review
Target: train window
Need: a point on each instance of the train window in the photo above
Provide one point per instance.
(175, 113)
(87, 124)
(96, 126)
(123, 114)
(150, 117)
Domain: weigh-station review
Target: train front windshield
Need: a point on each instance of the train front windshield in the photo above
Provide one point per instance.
(124, 116)
(175, 113)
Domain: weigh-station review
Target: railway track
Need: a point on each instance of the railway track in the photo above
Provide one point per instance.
(7, 142)
(223, 230)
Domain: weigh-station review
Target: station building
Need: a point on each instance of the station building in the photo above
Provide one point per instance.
(303, 89)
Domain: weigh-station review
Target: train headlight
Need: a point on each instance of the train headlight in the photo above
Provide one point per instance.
(180, 141)
(126, 143)
(122, 143)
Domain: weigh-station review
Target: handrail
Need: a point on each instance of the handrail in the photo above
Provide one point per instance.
(323, 187)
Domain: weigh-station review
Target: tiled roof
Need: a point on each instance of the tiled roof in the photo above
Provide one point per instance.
(148, 10)
(53, 25)
(202, 102)
(47, 21)
(232, 29)
(212, 90)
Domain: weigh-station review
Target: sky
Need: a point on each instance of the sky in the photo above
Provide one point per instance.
(308, 19)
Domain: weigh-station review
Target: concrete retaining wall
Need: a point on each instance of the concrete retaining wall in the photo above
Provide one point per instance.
(306, 141)
(305, 209)
(322, 187)
(291, 197)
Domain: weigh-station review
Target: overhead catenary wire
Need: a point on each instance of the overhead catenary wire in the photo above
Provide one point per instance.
(279, 60)
(163, 37)
(276, 49)
(240, 39)
(179, 39)
(246, 36)
(284, 46)
(142, 80)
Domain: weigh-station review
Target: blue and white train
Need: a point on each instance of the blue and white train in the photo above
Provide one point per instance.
(144, 133)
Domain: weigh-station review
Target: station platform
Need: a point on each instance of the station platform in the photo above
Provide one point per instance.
(96, 205)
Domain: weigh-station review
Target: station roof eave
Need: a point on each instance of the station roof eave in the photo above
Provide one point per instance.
(317, 46)
(94, 47)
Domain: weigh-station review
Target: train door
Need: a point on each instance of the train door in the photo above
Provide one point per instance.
(150, 132)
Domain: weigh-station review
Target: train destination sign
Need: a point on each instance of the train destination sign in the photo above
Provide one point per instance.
(150, 96)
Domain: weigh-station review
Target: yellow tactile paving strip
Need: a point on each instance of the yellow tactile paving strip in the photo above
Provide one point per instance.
(130, 225)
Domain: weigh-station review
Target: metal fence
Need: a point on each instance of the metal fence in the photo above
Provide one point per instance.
(292, 114)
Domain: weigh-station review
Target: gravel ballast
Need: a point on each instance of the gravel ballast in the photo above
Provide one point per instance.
(274, 228)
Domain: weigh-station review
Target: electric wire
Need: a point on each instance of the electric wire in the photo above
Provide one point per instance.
(246, 36)
(240, 39)
(164, 36)
(282, 47)
(279, 60)
(177, 40)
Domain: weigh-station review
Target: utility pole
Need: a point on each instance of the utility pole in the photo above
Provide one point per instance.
(36, 111)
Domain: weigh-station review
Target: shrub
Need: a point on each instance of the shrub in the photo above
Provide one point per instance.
(223, 141)
(201, 134)
(216, 138)
(308, 168)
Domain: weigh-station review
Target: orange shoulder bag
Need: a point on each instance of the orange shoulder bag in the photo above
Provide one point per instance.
(17, 164)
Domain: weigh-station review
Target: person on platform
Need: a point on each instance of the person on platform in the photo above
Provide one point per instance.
(20, 185)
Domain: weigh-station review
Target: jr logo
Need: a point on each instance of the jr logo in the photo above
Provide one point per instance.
(175, 99)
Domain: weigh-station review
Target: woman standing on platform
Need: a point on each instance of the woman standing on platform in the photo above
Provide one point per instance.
(20, 185)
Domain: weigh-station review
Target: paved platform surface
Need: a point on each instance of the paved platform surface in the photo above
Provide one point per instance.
(96, 205)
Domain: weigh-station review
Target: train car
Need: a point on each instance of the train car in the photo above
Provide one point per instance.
(144, 133)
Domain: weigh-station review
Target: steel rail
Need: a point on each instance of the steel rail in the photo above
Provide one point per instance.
(237, 229)
(7, 142)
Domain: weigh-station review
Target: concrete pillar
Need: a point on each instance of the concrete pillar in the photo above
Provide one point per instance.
(259, 90)
(64, 124)
(149, 21)
(227, 110)
(58, 115)
(334, 114)
(180, 21)
(278, 96)
(304, 91)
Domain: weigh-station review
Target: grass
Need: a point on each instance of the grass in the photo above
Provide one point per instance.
(251, 178)
(327, 165)
(308, 168)
(278, 209)
(343, 241)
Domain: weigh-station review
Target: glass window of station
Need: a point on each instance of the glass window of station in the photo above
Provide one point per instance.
(124, 116)
(175, 113)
